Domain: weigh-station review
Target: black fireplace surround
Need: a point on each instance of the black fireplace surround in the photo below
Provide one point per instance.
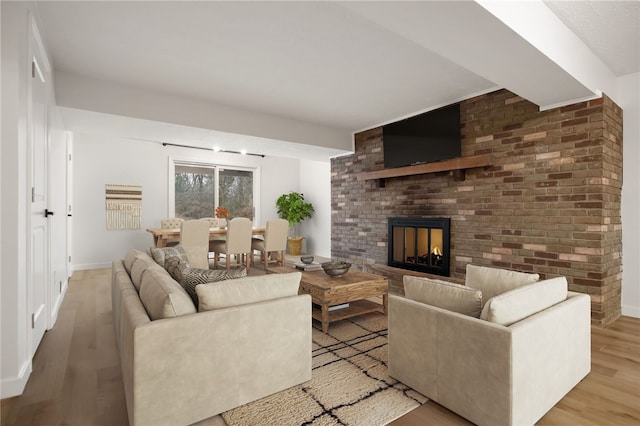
(419, 244)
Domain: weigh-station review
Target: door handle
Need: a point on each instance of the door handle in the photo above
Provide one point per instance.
(48, 213)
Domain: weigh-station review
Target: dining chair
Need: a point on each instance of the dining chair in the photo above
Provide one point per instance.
(238, 243)
(274, 242)
(171, 223)
(194, 237)
(213, 221)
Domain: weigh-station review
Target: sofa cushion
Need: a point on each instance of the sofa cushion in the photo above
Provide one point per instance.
(140, 265)
(515, 305)
(189, 278)
(493, 281)
(160, 254)
(443, 294)
(130, 257)
(242, 291)
(162, 296)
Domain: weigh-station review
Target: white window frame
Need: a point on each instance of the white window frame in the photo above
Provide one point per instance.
(216, 166)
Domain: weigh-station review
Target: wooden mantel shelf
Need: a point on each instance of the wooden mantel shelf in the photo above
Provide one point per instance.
(459, 163)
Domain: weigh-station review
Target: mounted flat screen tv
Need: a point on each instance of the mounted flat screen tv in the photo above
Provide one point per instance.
(425, 138)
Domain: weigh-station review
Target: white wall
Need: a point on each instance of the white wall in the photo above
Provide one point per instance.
(283, 175)
(99, 160)
(628, 98)
(315, 184)
(16, 363)
(15, 311)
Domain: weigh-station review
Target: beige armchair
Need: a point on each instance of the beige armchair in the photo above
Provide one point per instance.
(171, 223)
(274, 242)
(238, 243)
(194, 237)
(528, 348)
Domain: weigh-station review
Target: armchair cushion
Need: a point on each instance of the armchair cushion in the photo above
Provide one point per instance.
(443, 294)
(515, 305)
(247, 290)
(493, 281)
(189, 278)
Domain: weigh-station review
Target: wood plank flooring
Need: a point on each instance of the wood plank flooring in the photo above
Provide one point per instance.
(76, 377)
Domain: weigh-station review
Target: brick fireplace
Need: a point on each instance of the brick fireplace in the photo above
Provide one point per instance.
(549, 202)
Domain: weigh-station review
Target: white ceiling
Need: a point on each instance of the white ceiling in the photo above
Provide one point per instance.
(609, 28)
(346, 66)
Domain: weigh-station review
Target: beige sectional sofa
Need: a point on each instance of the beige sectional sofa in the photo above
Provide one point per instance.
(251, 338)
(504, 359)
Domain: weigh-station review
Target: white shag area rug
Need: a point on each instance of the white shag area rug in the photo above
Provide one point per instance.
(350, 384)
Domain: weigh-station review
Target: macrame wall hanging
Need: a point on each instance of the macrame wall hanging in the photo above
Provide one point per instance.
(124, 206)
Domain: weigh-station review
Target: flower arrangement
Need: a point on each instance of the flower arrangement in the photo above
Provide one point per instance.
(222, 213)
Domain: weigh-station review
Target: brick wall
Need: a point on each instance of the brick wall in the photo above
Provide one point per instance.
(549, 203)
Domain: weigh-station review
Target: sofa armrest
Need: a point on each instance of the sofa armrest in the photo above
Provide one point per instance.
(213, 361)
(412, 349)
(551, 354)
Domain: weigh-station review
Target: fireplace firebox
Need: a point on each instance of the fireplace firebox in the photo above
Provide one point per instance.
(419, 244)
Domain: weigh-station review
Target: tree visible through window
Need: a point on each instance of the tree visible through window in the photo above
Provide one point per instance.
(194, 192)
(236, 192)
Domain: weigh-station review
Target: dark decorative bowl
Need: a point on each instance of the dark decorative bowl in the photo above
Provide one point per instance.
(336, 269)
(307, 260)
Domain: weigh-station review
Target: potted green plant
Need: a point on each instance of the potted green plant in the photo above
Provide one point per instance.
(294, 209)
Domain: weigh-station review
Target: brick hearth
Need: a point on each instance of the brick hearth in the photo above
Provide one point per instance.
(549, 203)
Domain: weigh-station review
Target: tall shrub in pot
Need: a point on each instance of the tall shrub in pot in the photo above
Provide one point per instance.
(294, 209)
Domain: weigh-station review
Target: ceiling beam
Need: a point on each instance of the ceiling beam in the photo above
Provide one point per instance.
(89, 94)
(520, 46)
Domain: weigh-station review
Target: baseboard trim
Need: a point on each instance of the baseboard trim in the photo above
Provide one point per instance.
(15, 386)
(88, 266)
(57, 304)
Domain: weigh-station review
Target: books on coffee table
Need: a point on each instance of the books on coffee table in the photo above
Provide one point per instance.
(313, 266)
(333, 307)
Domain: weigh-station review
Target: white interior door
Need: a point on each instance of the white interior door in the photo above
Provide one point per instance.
(57, 202)
(37, 284)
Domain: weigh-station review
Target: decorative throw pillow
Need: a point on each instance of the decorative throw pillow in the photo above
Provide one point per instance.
(515, 305)
(494, 281)
(243, 291)
(189, 278)
(444, 294)
(160, 254)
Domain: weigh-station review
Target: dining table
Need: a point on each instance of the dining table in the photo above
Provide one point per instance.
(163, 235)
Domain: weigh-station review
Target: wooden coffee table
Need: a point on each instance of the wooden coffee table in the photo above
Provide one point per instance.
(353, 288)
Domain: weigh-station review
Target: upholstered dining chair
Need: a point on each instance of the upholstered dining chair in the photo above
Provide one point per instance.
(214, 222)
(274, 242)
(171, 223)
(238, 243)
(194, 237)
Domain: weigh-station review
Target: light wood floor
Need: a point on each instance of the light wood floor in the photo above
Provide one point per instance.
(76, 377)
